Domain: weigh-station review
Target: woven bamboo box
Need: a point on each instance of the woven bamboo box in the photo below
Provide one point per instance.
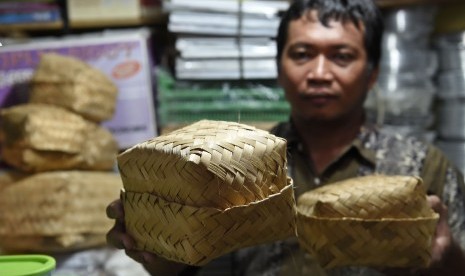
(207, 189)
(56, 211)
(75, 85)
(377, 220)
(41, 137)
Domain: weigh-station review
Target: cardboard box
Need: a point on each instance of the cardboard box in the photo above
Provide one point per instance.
(124, 56)
(82, 11)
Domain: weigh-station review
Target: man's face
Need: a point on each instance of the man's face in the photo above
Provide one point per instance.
(324, 70)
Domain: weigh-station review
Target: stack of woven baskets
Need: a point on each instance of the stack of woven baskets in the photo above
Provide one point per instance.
(213, 187)
(62, 160)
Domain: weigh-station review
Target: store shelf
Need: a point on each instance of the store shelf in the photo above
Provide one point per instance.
(60, 26)
(450, 19)
(7, 28)
(106, 23)
(397, 3)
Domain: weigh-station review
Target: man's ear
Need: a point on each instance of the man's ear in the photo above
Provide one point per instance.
(278, 71)
(373, 77)
(279, 81)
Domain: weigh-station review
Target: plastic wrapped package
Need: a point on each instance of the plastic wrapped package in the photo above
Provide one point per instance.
(402, 95)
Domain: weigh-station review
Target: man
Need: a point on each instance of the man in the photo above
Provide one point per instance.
(328, 55)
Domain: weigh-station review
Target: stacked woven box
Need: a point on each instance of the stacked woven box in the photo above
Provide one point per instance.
(74, 85)
(207, 189)
(56, 211)
(377, 220)
(61, 159)
(41, 137)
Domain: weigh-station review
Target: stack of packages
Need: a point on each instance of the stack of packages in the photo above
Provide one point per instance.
(29, 12)
(450, 44)
(225, 65)
(62, 175)
(110, 12)
(405, 91)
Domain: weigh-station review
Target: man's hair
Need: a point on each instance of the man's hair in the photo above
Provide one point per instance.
(357, 11)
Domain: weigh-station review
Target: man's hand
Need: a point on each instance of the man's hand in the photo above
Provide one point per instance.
(447, 257)
(442, 239)
(118, 238)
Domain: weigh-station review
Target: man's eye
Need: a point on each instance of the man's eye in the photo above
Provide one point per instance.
(343, 57)
(300, 55)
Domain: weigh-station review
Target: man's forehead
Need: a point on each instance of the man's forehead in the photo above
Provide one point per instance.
(308, 30)
(312, 16)
(309, 26)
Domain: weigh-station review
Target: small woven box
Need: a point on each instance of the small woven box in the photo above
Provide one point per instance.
(207, 189)
(7, 177)
(377, 220)
(40, 137)
(75, 85)
(57, 211)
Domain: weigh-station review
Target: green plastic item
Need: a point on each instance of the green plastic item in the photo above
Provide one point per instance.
(26, 265)
(190, 102)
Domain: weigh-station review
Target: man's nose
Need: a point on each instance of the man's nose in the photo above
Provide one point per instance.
(320, 68)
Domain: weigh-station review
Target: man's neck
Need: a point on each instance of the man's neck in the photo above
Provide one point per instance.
(324, 142)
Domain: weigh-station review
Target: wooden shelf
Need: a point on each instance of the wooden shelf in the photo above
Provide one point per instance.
(399, 3)
(10, 28)
(95, 24)
(104, 23)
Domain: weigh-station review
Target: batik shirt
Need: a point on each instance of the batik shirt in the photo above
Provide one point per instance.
(373, 151)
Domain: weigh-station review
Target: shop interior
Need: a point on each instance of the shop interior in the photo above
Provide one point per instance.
(173, 63)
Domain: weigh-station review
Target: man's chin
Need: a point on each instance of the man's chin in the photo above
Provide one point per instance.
(318, 118)
(323, 120)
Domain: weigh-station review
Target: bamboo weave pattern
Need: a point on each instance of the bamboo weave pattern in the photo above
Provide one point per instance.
(207, 189)
(208, 164)
(196, 235)
(381, 221)
(214, 187)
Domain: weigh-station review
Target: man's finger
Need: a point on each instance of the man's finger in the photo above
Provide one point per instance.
(434, 201)
(118, 238)
(115, 210)
(136, 255)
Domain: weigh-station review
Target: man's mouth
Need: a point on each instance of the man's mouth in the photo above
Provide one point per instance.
(318, 98)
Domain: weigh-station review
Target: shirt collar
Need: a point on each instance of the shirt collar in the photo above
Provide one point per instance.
(363, 144)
